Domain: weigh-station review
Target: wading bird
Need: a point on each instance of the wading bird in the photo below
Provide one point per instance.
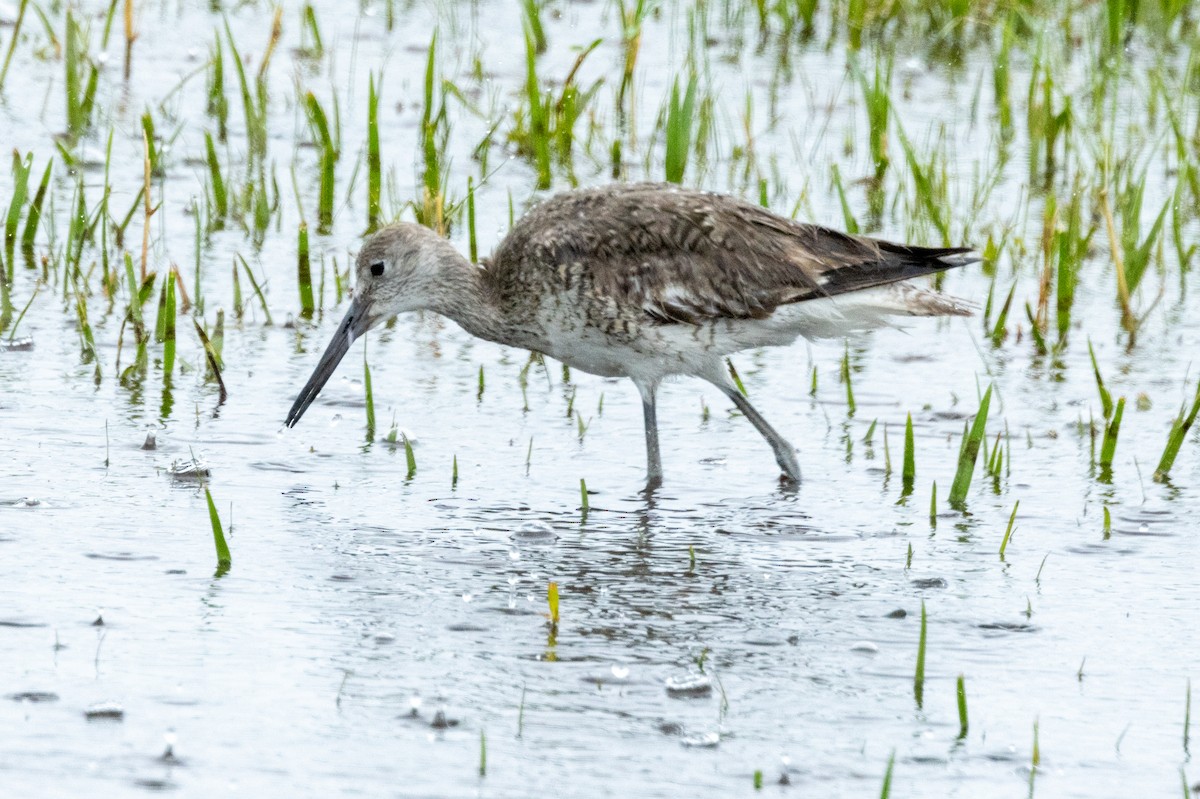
(646, 281)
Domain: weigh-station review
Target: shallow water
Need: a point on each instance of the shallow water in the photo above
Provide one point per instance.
(373, 629)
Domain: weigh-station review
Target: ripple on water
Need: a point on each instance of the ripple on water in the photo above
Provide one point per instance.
(1147, 523)
(689, 686)
(24, 503)
(277, 466)
(105, 711)
(534, 532)
(18, 344)
(34, 696)
(701, 740)
(118, 556)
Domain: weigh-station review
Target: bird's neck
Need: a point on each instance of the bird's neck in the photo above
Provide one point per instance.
(469, 300)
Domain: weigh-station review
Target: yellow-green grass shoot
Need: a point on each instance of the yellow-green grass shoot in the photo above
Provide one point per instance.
(34, 217)
(370, 399)
(12, 42)
(933, 506)
(552, 602)
(850, 406)
(909, 473)
(919, 674)
(81, 76)
(311, 44)
(329, 157)
(961, 691)
(375, 162)
(886, 790)
(679, 125)
(304, 273)
(1111, 430)
(410, 460)
(220, 197)
(1187, 718)
(1179, 430)
(972, 440)
(212, 357)
(262, 300)
(20, 170)
(1009, 530)
(224, 558)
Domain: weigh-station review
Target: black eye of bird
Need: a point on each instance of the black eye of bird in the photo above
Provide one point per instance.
(377, 269)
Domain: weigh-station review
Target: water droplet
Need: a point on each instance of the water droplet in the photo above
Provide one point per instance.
(865, 647)
(620, 672)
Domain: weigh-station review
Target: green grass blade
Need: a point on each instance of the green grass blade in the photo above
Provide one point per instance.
(919, 675)
(963, 724)
(410, 460)
(1179, 430)
(224, 558)
(1009, 530)
(886, 790)
(304, 272)
(1111, 431)
(967, 456)
(1105, 397)
(909, 474)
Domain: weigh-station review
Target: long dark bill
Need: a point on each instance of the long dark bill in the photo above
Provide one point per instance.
(353, 325)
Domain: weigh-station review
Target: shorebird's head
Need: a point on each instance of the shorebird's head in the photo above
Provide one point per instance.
(397, 270)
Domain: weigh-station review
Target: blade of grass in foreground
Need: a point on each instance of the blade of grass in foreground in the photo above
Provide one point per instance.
(910, 458)
(963, 725)
(371, 403)
(1009, 531)
(552, 601)
(919, 676)
(224, 558)
(262, 301)
(967, 455)
(886, 790)
(1111, 430)
(1179, 430)
(374, 162)
(410, 460)
(304, 272)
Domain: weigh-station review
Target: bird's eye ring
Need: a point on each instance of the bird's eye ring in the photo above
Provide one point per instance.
(377, 269)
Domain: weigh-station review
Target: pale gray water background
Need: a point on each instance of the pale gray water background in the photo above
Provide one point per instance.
(356, 596)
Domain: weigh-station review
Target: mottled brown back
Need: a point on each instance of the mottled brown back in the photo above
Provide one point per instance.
(687, 256)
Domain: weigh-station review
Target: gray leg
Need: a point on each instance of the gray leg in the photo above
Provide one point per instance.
(650, 415)
(785, 453)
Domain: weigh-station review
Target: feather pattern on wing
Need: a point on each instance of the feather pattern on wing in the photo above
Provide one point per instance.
(690, 257)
